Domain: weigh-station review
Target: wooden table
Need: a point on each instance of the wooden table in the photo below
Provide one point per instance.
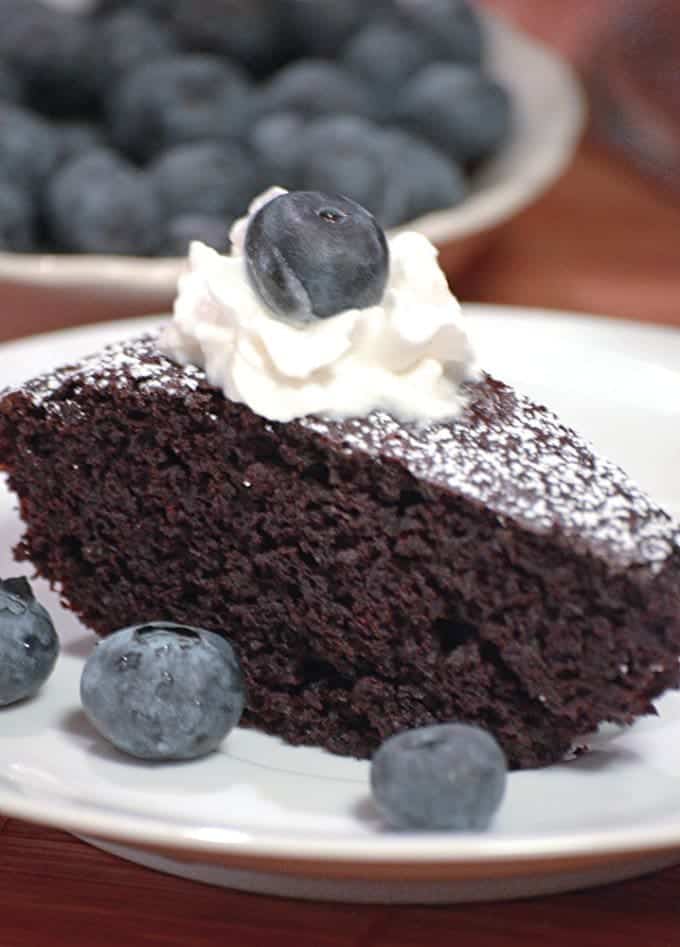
(602, 241)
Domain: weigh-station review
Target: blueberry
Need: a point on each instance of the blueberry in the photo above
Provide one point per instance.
(217, 178)
(16, 219)
(158, 9)
(29, 147)
(386, 54)
(98, 203)
(315, 87)
(452, 27)
(163, 691)
(10, 86)
(178, 99)
(457, 108)
(180, 231)
(447, 776)
(419, 179)
(312, 255)
(276, 142)
(46, 47)
(74, 138)
(322, 27)
(118, 43)
(252, 32)
(343, 154)
(396, 176)
(29, 646)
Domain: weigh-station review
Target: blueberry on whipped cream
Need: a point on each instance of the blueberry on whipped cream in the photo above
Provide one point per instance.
(310, 255)
(315, 312)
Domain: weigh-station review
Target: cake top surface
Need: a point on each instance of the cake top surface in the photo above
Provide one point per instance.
(504, 452)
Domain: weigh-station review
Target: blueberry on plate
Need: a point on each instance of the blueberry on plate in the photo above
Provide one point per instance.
(443, 777)
(99, 203)
(29, 646)
(315, 87)
(457, 108)
(17, 219)
(163, 691)
(180, 231)
(187, 97)
(216, 178)
(29, 147)
(310, 256)
(452, 27)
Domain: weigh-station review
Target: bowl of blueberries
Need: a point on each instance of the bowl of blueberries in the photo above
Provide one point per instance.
(129, 128)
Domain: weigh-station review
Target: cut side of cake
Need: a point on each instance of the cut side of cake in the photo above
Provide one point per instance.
(372, 575)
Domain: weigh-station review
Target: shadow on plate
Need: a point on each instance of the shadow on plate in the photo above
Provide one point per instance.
(75, 723)
(368, 814)
(79, 648)
(602, 757)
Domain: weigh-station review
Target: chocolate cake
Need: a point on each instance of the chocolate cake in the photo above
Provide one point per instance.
(373, 575)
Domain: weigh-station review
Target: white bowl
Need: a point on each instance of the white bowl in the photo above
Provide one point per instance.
(549, 113)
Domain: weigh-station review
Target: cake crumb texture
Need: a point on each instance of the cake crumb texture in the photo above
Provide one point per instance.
(373, 576)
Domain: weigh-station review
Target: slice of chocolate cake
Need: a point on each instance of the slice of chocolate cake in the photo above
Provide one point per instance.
(373, 575)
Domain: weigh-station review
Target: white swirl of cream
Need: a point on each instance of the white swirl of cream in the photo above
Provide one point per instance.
(407, 356)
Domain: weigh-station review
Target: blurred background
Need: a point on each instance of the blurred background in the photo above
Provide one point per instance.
(601, 237)
(574, 28)
(606, 234)
(628, 52)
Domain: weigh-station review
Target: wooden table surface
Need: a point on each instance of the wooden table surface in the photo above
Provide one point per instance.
(603, 240)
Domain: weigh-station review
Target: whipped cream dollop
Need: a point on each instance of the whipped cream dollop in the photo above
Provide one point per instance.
(407, 356)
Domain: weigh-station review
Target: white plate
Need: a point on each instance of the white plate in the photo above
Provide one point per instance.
(266, 817)
(549, 114)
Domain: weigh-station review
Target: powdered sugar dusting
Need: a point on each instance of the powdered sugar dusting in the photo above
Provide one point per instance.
(516, 458)
(116, 365)
(505, 453)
